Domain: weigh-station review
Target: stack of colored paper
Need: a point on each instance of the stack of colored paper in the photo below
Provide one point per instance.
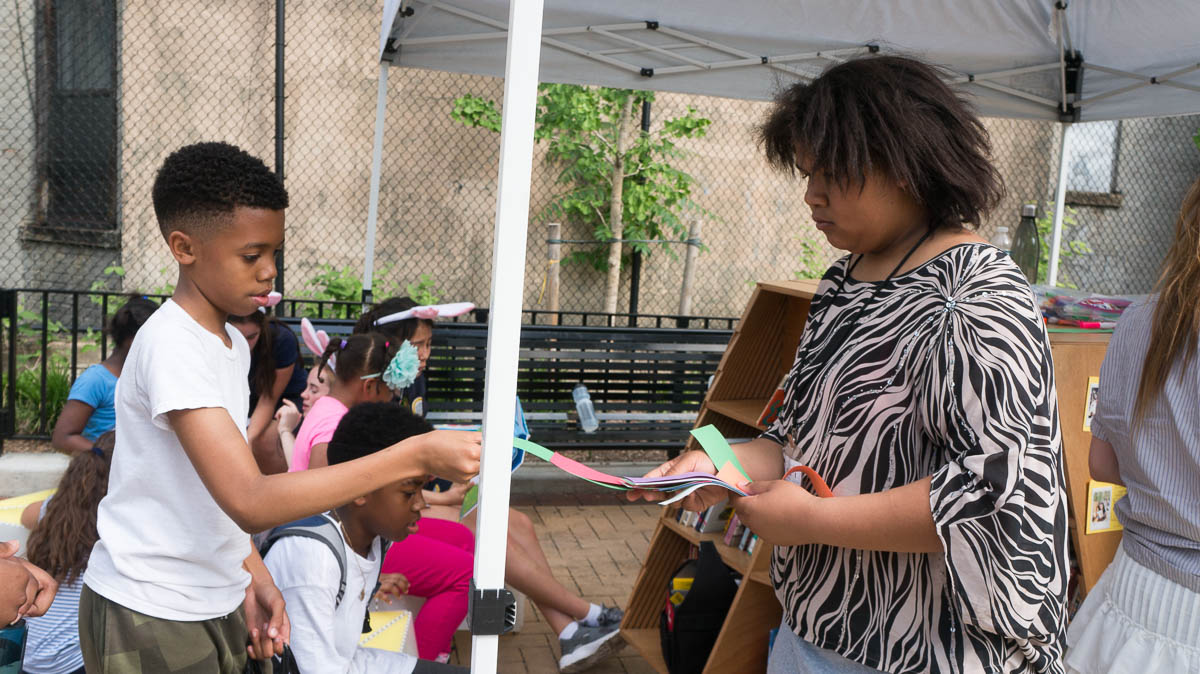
(729, 470)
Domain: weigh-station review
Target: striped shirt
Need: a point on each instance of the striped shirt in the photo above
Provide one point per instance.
(1160, 463)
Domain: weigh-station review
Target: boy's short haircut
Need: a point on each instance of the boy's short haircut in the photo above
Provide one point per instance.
(198, 186)
(895, 115)
(370, 427)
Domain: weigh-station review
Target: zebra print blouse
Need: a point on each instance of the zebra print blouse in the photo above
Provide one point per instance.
(943, 371)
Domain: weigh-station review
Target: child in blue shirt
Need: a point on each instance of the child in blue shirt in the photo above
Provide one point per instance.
(89, 412)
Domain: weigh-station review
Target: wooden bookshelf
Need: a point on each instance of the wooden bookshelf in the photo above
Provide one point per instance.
(744, 411)
(759, 354)
(1077, 356)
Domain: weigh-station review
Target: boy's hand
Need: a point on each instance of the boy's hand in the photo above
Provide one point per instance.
(17, 591)
(394, 584)
(266, 620)
(287, 416)
(40, 587)
(453, 455)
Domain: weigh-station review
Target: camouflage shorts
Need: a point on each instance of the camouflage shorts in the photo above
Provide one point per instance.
(118, 640)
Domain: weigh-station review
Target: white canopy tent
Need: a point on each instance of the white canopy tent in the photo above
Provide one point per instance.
(1034, 59)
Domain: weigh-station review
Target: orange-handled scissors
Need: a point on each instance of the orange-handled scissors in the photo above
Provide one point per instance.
(819, 485)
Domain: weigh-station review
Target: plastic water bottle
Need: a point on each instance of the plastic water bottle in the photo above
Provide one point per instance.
(583, 406)
(1002, 239)
(1027, 243)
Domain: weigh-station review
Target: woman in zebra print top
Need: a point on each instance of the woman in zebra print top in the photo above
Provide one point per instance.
(922, 392)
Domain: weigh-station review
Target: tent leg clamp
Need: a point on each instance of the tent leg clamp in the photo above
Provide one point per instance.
(492, 611)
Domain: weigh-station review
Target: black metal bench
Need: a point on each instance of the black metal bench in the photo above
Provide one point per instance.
(646, 384)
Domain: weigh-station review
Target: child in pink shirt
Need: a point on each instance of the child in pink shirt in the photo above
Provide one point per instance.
(361, 360)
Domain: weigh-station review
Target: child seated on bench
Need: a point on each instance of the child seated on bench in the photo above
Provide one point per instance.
(327, 588)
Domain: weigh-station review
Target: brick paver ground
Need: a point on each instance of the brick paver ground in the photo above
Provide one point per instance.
(594, 550)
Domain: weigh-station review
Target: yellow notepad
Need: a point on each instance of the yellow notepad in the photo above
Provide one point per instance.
(10, 508)
(390, 631)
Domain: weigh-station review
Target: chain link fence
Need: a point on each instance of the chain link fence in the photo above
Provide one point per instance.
(99, 92)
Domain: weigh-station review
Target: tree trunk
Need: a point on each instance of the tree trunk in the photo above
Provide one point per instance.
(615, 206)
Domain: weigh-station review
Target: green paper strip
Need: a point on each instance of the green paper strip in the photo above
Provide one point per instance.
(470, 500)
(548, 456)
(534, 449)
(717, 448)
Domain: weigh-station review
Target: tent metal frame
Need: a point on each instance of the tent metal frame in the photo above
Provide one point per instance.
(627, 44)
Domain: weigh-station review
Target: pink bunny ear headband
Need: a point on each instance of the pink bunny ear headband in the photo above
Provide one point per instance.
(429, 312)
(316, 340)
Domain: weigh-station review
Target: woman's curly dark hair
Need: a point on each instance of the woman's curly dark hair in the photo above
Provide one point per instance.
(62, 542)
(893, 115)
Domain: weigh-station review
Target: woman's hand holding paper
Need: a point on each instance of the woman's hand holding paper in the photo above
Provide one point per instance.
(696, 461)
(779, 511)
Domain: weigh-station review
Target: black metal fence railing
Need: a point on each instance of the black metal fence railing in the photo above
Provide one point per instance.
(49, 336)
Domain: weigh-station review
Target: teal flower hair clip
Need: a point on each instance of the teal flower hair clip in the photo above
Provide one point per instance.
(403, 370)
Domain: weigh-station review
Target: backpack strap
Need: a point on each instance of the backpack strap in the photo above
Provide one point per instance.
(384, 545)
(318, 527)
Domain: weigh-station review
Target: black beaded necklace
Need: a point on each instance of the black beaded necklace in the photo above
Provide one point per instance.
(818, 322)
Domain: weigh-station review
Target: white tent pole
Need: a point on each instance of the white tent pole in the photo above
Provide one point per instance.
(376, 168)
(1060, 198)
(504, 316)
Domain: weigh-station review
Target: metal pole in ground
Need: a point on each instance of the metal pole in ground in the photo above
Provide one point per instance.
(279, 121)
(522, 59)
(554, 235)
(1060, 194)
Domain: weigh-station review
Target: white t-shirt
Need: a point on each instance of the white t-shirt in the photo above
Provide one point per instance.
(166, 548)
(325, 639)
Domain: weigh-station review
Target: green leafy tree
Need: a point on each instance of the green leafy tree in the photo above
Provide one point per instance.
(620, 181)
(1071, 247)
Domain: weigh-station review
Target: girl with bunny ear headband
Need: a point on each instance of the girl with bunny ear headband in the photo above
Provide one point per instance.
(370, 366)
(316, 341)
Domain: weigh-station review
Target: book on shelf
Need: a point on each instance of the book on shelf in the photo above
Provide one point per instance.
(712, 520)
(774, 406)
(732, 528)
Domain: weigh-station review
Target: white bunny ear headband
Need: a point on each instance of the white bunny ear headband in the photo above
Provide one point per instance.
(428, 312)
(316, 340)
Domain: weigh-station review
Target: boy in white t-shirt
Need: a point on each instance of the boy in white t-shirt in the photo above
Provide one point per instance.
(174, 583)
(326, 630)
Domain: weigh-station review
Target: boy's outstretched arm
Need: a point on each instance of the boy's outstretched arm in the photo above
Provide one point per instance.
(257, 502)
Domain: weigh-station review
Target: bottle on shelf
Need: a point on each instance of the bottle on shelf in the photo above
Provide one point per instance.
(585, 409)
(1027, 243)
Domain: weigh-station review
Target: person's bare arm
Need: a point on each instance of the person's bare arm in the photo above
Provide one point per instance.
(257, 502)
(318, 456)
(451, 497)
(68, 430)
(264, 409)
(29, 516)
(287, 418)
(896, 520)
(1102, 462)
